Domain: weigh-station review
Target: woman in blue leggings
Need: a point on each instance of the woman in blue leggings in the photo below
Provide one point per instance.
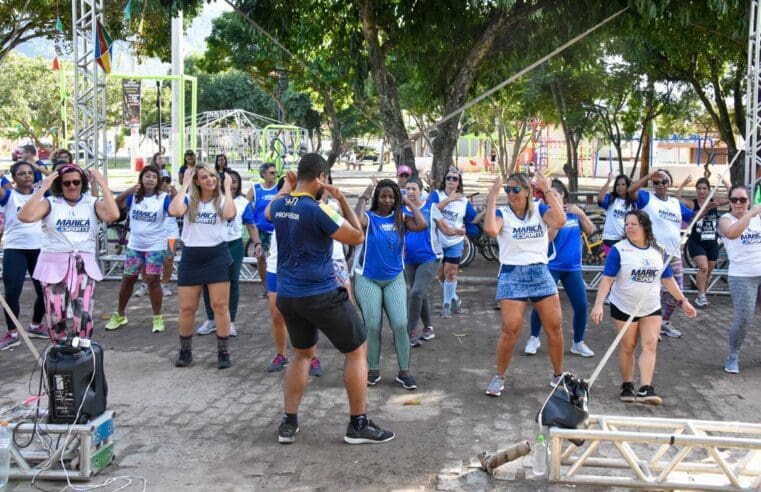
(565, 266)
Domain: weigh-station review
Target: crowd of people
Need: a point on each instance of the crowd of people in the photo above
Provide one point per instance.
(403, 236)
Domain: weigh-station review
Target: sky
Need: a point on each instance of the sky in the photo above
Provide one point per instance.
(196, 44)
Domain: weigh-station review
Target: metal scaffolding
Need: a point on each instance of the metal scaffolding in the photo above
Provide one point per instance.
(753, 90)
(89, 86)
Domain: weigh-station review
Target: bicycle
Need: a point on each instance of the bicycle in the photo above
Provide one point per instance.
(592, 252)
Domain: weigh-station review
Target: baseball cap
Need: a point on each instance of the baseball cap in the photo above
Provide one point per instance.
(403, 170)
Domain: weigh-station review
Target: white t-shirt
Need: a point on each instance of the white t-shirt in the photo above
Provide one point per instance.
(666, 216)
(272, 256)
(744, 252)
(235, 226)
(615, 211)
(20, 235)
(207, 228)
(637, 277)
(71, 228)
(523, 241)
(338, 246)
(147, 231)
(454, 213)
(171, 228)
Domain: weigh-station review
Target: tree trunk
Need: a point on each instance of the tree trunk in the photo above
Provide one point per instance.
(385, 84)
(335, 129)
(645, 160)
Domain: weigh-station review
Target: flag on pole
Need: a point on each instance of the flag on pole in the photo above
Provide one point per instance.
(56, 66)
(128, 11)
(103, 48)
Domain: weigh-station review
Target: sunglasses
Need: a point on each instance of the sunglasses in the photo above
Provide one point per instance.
(404, 175)
(73, 182)
(513, 189)
(658, 183)
(739, 199)
(452, 178)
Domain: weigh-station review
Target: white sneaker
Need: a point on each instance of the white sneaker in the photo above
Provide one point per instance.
(141, 291)
(581, 349)
(532, 345)
(207, 327)
(233, 330)
(165, 290)
(668, 329)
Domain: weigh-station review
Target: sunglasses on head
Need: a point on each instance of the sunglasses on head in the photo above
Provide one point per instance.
(739, 199)
(452, 178)
(72, 182)
(513, 189)
(404, 175)
(657, 182)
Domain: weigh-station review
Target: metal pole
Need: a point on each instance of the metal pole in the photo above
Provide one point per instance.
(178, 91)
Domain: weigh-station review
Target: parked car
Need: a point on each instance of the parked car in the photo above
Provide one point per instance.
(43, 152)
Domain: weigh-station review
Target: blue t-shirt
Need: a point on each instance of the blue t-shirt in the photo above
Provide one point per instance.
(38, 176)
(422, 246)
(565, 250)
(381, 256)
(304, 246)
(262, 196)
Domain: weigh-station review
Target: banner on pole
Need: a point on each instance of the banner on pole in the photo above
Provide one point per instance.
(131, 97)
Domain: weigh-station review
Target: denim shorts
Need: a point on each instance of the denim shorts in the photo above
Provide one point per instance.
(453, 253)
(525, 282)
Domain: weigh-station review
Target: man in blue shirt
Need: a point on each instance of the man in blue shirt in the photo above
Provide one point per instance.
(29, 154)
(309, 297)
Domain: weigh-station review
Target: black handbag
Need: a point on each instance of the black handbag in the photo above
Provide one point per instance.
(567, 405)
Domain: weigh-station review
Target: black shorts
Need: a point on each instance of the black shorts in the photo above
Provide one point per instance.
(331, 313)
(704, 248)
(619, 315)
(203, 265)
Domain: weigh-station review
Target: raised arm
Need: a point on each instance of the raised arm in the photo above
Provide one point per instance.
(106, 209)
(492, 223)
(37, 207)
(586, 224)
(177, 207)
(351, 231)
(417, 222)
(555, 216)
(229, 211)
(121, 198)
(733, 231)
(359, 209)
(604, 190)
(634, 188)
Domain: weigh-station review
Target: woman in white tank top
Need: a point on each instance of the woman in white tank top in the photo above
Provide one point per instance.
(67, 266)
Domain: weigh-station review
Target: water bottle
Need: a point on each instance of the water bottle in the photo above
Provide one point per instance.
(5, 453)
(540, 456)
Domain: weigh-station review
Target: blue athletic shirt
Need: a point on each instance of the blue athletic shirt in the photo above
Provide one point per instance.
(423, 246)
(565, 250)
(262, 196)
(382, 256)
(304, 246)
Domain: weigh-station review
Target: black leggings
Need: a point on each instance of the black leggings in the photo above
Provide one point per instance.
(16, 264)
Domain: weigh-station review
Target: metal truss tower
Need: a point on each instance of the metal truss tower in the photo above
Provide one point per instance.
(753, 89)
(89, 87)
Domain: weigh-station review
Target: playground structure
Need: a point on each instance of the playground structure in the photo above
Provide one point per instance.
(243, 137)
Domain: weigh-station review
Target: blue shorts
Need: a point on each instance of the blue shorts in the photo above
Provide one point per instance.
(452, 254)
(525, 282)
(271, 282)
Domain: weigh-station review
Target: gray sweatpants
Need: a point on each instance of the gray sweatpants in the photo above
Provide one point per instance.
(744, 292)
(419, 278)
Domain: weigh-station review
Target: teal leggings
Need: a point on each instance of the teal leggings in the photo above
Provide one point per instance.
(373, 298)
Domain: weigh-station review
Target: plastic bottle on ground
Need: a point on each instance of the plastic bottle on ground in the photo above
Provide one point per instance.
(540, 456)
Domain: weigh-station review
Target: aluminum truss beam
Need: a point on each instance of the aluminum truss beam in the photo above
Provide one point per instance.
(753, 90)
(89, 86)
(658, 453)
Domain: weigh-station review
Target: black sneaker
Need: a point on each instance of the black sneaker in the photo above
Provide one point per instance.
(373, 377)
(370, 434)
(223, 361)
(408, 382)
(627, 392)
(286, 433)
(414, 340)
(646, 395)
(184, 358)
